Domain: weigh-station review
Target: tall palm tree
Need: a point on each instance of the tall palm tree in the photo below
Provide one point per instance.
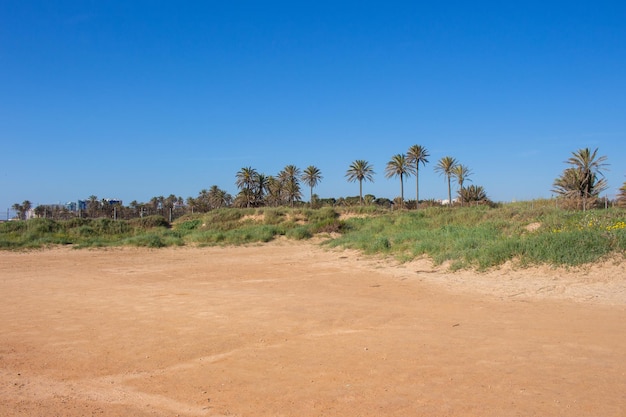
(360, 170)
(154, 205)
(218, 198)
(273, 191)
(398, 166)
(445, 167)
(289, 177)
(311, 177)
(134, 206)
(417, 154)
(202, 203)
(18, 209)
(260, 188)
(461, 173)
(590, 167)
(191, 203)
(93, 205)
(245, 179)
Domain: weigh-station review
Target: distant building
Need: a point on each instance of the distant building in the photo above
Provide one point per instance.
(112, 201)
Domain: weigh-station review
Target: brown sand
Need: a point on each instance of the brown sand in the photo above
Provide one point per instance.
(291, 329)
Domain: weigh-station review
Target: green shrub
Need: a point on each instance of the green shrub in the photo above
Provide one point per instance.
(566, 248)
(149, 222)
(150, 240)
(328, 226)
(86, 231)
(273, 216)
(76, 222)
(189, 225)
(299, 233)
(205, 237)
(7, 244)
(323, 214)
(13, 226)
(381, 244)
(226, 215)
(111, 227)
(39, 227)
(619, 237)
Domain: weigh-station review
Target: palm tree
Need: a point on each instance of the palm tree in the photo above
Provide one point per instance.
(27, 205)
(311, 177)
(473, 193)
(169, 203)
(21, 210)
(572, 184)
(245, 180)
(42, 211)
(289, 178)
(153, 205)
(445, 167)
(584, 178)
(360, 170)
(191, 204)
(590, 168)
(273, 191)
(134, 207)
(260, 188)
(417, 154)
(17, 208)
(93, 206)
(202, 203)
(461, 174)
(568, 184)
(398, 166)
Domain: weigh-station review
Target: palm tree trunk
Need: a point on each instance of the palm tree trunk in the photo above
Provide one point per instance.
(417, 187)
(361, 192)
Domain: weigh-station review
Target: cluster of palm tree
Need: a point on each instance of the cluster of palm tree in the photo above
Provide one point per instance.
(257, 189)
(210, 199)
(583, 180)
(452, 169)
(21, 210)
(400, 165)
(404, 165)
(95, 207)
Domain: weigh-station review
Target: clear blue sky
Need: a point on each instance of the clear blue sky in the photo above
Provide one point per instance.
(136, 99)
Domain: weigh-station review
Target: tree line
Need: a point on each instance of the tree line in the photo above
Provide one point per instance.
(579, 186)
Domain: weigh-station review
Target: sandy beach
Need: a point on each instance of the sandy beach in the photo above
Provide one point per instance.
(294, 329)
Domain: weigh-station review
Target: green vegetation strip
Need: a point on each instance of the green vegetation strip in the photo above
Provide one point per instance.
(468, 237)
